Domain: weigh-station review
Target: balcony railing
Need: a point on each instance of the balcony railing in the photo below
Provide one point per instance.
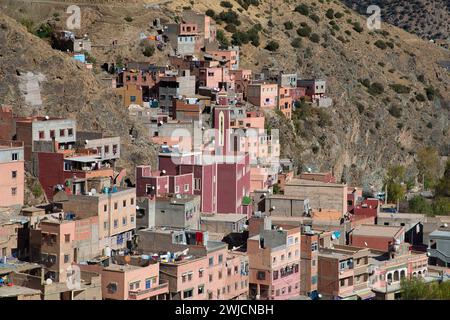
(146, 293)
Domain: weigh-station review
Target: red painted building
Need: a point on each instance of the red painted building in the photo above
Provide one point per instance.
(376, 237)
(223, 172)
(158, 183)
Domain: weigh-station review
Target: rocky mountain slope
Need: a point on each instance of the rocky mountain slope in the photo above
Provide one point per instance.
(429, 19)
(390, 96)
(68, 90)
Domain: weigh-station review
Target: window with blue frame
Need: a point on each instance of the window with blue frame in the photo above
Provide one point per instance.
(313, 279)
(148, 283)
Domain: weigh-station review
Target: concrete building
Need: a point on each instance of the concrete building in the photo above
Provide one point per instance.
(264, 95)
(229, 56)
(274, 259)
(33, 131)
(28, 282)
(412, 222)
(12, 172)
(68, 170)
(223, 223)
(288, 80)
(115, 209)
(439, 247)
(184, 38)
(321, 195)
(173, 86)
(388, 269)
(315, 88)
(178, 211)
(200, 268)
(130, 278)
(309, 249)
(242, 78)
(206, 30)
(158, 183)
(288, 206)
(344, 273)
(285, 101)
(376, 236)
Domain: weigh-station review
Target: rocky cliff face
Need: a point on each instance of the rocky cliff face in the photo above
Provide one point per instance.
(65, 89)
(429, 19)
(390, 96)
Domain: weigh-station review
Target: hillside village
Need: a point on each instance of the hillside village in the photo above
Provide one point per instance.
(216, 210)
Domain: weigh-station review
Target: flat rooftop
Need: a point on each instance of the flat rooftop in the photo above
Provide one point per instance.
(376, 230)
(121, 268)
(224, 217)
(305, 182)
(441, 234)
(14, 291)
(412, 216)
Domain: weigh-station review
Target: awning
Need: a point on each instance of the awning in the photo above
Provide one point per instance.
(366, 294)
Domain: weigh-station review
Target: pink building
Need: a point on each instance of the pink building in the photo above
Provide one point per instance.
(222, 171)
(274, 259)
(158, 184)
(264, 95)
(242, 78)
(62, 242)
(246, 119)
(229, 56)
(389, 269)
(12, 173)
(130, 278)
(216, 78)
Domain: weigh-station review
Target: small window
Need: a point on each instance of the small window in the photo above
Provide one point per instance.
(124, 203)
(62, 132)
(116, 224)
(124, 221)
(41, 135)
(14, 156)
(220, 258)
(67, 238)
(201, 289)
(261, 275)
(211, 261)
(52, 133)
(132, 201)
(66, 258)
(115, 205)
(106, 149)
(13, 174)
(105, 207)
(13, 191)
(70, 132)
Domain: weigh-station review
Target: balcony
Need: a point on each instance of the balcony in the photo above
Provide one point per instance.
(148, 293)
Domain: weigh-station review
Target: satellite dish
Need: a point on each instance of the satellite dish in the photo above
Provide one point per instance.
(127, 259)
(86, 141)
(137, 207)
(47, 117)
(445, 225)
(48, 281)
(164, 171)
(365, 243)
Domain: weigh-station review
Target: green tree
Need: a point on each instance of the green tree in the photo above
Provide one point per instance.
(394, 180)
(417, 289)
(443, 187)
(419, 204)
(428, 166)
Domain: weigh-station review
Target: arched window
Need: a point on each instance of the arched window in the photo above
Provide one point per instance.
(396, 277)
(402, 274)
(389, 277)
